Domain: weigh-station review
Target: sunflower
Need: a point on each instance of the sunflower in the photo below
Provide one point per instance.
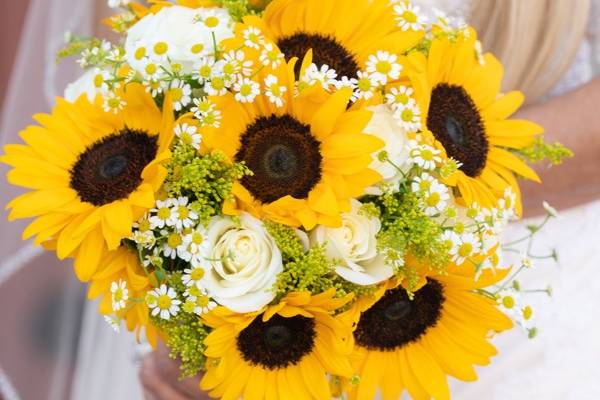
(91, 173)
(285, 352)
(462, 107)
(403, 344)
(342, 34)
(308, 154)
(123, 265)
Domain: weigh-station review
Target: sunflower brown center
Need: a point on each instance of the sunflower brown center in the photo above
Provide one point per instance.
(395, 320)
(277, 343)
(326, 51)
(455, 121)
(284, 157)
(111, 168)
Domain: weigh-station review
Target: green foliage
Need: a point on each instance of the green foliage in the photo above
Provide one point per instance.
(205, 179)
(239, 8)
(407, 230)
(539, 151)
(287, 240)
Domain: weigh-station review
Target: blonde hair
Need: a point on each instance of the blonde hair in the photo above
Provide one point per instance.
(535, 39)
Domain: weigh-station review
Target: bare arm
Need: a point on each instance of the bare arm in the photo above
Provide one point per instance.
(574, 120)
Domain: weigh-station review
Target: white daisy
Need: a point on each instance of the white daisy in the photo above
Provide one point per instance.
(271, 56)
(423, 155)
(163, 302)
(193, 276)
(113, 103)
(162, 214)
(174, 244)
(198, 301)
(152, 71)
(365, 86)
(274, 91)
(408, 116)
(119, 294)
(154, 87)
(234, 62)
(408, 17)
(180, 94)
(246, 90)
(114, 322)
(383, 66)
(324, 75)
(253, 37)
(203, 69)
(435, 199)
(145, 239)
(345, 82)
(183, 216)
(188, 134)
(400, 95)
(196, 246)
(211, 20)
(468, 246)
(423, 183)
(217, 86)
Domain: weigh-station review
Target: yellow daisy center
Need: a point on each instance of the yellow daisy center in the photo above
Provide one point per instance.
(465, 249)
(433, 199)
(383, 67)
(211, 22)
(176, 94)
(197, 48)
(174, 240)
(182, 210)
(164, 302)
(164, 213)
(409, 16)
(161, 48)
(508, 302)
(140, 53)
(197, 274)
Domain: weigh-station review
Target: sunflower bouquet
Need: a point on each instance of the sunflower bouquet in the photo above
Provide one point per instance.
(302, 199)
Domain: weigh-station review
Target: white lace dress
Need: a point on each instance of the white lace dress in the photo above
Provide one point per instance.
(563, 362)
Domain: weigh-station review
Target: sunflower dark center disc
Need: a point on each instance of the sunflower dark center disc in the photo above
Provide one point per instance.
(455, 121)
(111, 168)
(284, 157)
(326, 51)
(278, 342)
(395, 320)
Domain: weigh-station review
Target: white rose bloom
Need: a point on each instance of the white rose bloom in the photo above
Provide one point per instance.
(385, 127)
(354, 244)
(92, 82)
(248, 263)
(181, 30)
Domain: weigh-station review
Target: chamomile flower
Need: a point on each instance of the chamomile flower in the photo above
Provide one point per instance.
(183, 216)
(119, 294)
(365, 86)
(118, 3)
(408, 116)
(196, 246)
(154, 87)
(203, 69)
(100, 80)
(468, 246)
(211, 20)
(199, 304)
(211, 118)
(113, 103)
(174, 244)
(270, 56)
(188, 134)
(423, 183)
(507, 203)
(325, 76)
(399, 96)
(217, 86)
(180, 94)
(163, 214)
(193, 276)
(435, 199)
(383, 66)
(153, 259)
(234, 62)
(274, 91)
(246, 90)
(508, 300)
(152, 71)
(145, 239)
(114, 322)
(424, 155)
(163, 302)
(408, 17)
(160, 51)
(345, 82)
(253, 37)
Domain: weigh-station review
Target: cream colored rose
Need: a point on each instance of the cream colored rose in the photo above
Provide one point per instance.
(354, 245)
(181, 29)
(385, 127)
(245, 262)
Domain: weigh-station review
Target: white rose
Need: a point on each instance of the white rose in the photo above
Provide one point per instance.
(354, 244)
(245, 262)
(180, 28)
(92, 82)
(385, 127)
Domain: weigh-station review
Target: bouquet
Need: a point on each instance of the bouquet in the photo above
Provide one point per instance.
(303, 200)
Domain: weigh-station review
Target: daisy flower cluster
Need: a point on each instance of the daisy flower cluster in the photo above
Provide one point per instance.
(277, 191)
